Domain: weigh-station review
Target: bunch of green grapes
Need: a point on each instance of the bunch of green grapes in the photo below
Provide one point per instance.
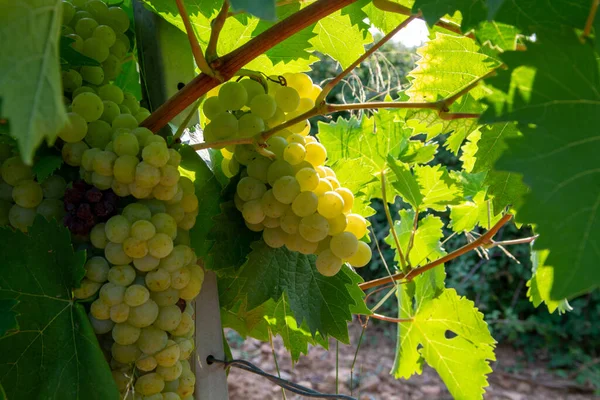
(22, 197)
(297, 202)
(98, 31)
(146, 278)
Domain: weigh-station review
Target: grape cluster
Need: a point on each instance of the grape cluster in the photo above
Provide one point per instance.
(146, 279)
(22, 197)
(87, 206)
(98, 32)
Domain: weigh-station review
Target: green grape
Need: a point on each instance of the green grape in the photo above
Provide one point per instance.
(86, 289)
(125, 354)
(125, 334)
(158, 280)
(348, 198)
(89, 106)
(101, 327)
(121, 275)
(145, 363)
(126, 41)
(96, 269)
(323, 187)
(313, 227)
(68, 12)
(154, 205)
(304, 246)
(223, 125)
(170, 374)
(71, 80)
(308, 179)
(270, 222)
(119, 312)
(146, 175)
(278, 169)
(126, 144)
(5, 191)
(98, 237)
(289, 222)
(285, 189)
(136, 295)
(180, 278)
(102, 182)
(124, 168)
(305, 105)
(164, 223)
(118, 19)
(253, 211)
(169, 355)
(274, 237)
(131, 102)
(174, 158)
(80, 14)
(189, 221)
(337, 224)
(323, 245)
(103, 163)
(356, 225)
(100, 310)
(125, 121)
(72, 153)
(97, 8)
(142, 230)
(111, 294)
(168, 318)
(176, 211)
(344, 245)
(301, 82)
(187, 380)
(112, 67)
(187, 185)
(299, 127)
(212, 107)
(14, 171)
(120, 189)
(186, 346)
(75, 128)
(330, 205)
(106, 34)
(156, 154)
(150, 384)
(160, 245)
(335, 184)
(183, 237)
(165, 298)
(48, 208)
(85, 27)
(294, 153)
(277, 145)
(253, 89)
(28, 194)
(91, 74)
(98, 134)
(249, 188)
(361, 256)
(287, 98)
(146, 263)
(83, 89)
(245, 153)
(315, 154)
(250, 125)
(258, 168)
(111, 111)
(96, 49)
(271, 206)
(119, 49)
(144, 315)
(305, 204)
(141, 115)
(278, 118)
(115, 255)
(135, 248)
(78, 42)
(233, 95)
(328, 264)
(136, 211)
(296, 138)
(263, 106)
(230, 167)
(139, 192)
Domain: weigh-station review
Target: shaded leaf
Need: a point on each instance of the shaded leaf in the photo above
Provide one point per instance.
(264, 9)
(8, 316)
(540, 284)
(46, 165)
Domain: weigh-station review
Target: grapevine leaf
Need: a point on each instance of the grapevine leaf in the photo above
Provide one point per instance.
(46, 165)
(436, 187)
(500, 35)
(557, 161)
(426, 244)
(69, 57)
(30, 80)
(54, 354)
(461, 361)
(264, 9)
(472, 213)
(247, 322)
(8, 316)
(354, 174)
(540, 284)
(405, 183)
(129, 79)
(418, 152)
(473, 11)
(505, 188)
(208, 192)
(323, 303)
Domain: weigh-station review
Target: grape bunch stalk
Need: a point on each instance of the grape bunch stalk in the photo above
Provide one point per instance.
(286, 192)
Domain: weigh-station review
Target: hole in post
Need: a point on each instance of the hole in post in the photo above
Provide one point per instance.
(180, 85)
(210, 360)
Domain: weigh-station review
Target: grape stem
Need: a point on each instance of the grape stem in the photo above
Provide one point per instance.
(230, 63)
(484, 240)
(216, 26)
(191, 34)
(590, 20)
(390, 220)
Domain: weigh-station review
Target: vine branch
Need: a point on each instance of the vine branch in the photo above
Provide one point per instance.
(216, 26)
(196, 50)
(590, 19)
(388, 215)
(230, 63)
(485, 239)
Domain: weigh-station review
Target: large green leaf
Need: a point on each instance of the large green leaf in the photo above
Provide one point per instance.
(540, 284)
(30, 82)
(8, 316)
(405, 183)
(325, 304)
(437, 188)
(54, 353)
(557, 153)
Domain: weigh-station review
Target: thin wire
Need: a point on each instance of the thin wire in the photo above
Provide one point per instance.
(288, 385)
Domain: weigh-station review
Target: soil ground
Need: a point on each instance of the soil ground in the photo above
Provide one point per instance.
(371, 377)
